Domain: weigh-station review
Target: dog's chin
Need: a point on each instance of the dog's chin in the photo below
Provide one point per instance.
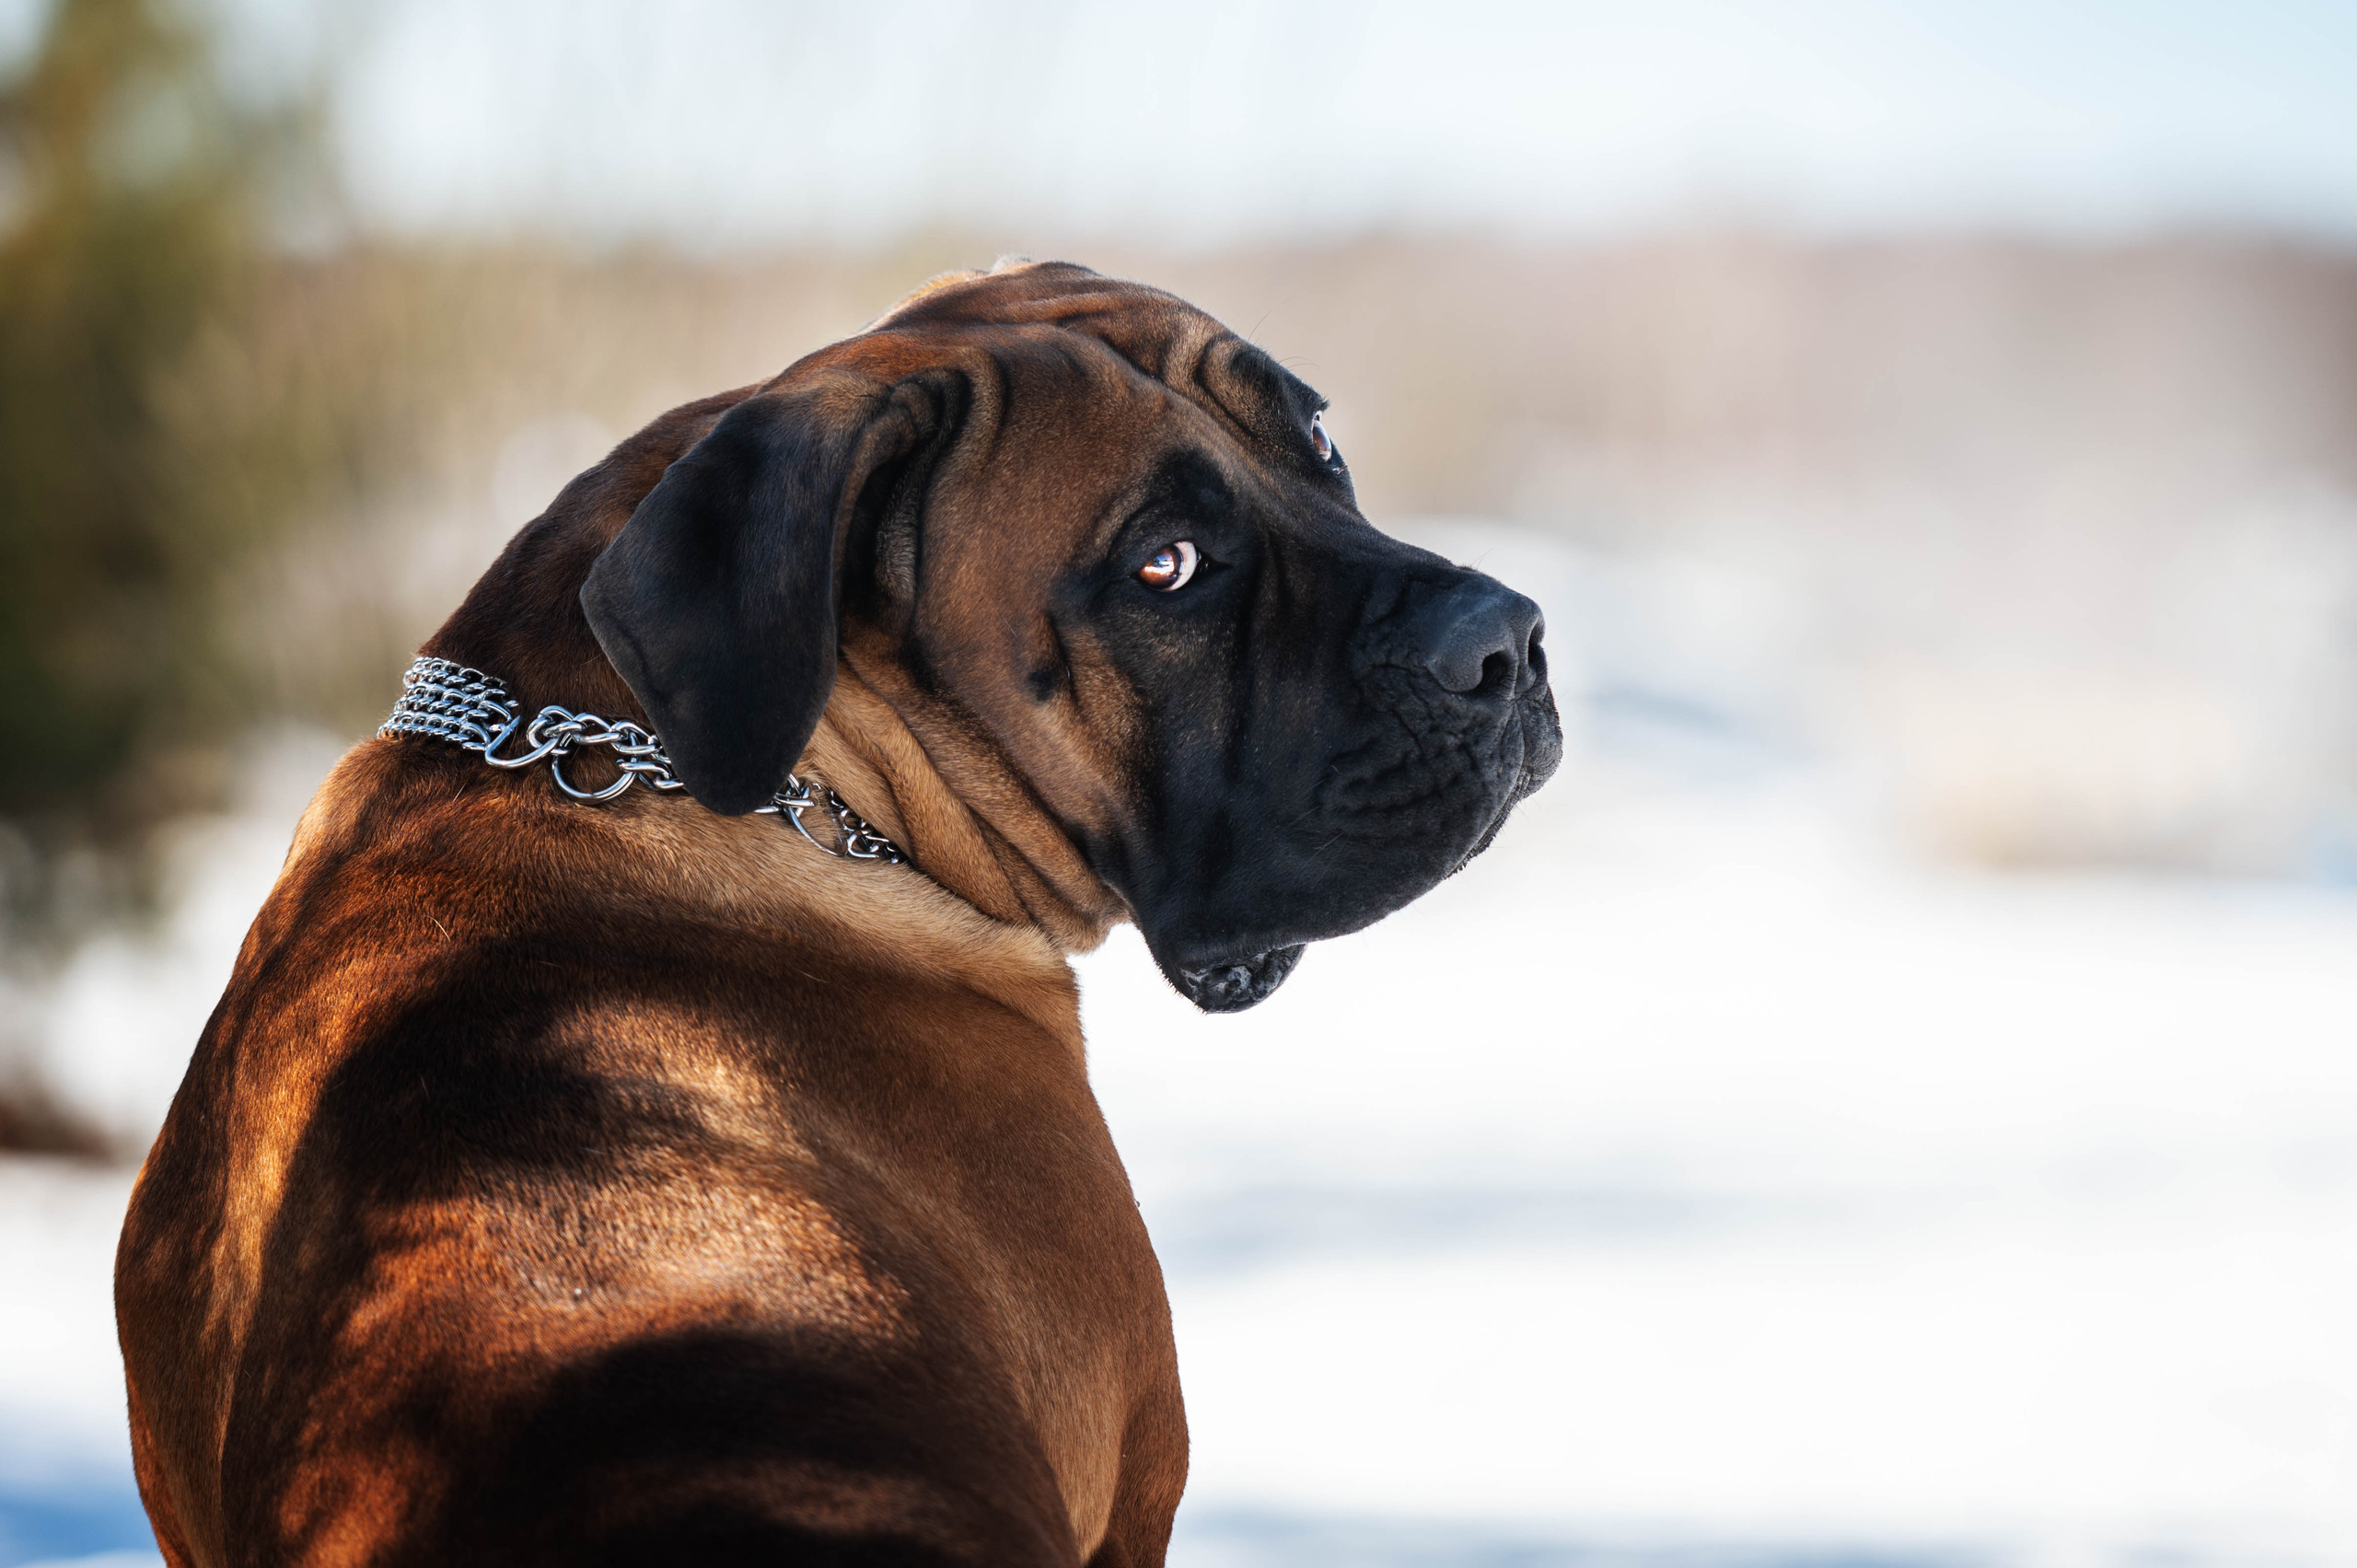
(1542, 755)
(1237, 983)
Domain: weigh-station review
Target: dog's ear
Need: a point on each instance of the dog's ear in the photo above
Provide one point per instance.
(718, 601)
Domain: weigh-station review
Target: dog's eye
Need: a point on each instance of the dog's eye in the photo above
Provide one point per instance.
(1172, 565)
(1319, 442)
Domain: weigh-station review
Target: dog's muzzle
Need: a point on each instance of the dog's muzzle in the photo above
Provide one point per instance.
(1231, 987)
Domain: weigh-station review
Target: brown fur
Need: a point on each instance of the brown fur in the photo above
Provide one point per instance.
(539, 1155)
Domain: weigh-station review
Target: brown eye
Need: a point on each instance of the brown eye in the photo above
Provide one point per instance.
(1319, 442)
(1172, 565)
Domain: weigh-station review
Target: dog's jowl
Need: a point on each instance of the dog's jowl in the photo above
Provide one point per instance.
(648, 1122)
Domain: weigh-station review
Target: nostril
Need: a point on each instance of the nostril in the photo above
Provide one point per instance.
(1472, 663)
(1534, 659)
(1482, 638)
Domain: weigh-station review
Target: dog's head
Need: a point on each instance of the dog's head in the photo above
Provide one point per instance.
(1091, 529)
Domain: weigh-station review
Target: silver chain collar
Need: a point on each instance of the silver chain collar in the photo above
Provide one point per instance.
(451, 702)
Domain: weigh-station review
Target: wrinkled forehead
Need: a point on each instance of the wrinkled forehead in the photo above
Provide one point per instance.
(1040, 320)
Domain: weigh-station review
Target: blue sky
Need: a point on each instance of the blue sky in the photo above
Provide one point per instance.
(726, 122)
(748, 120)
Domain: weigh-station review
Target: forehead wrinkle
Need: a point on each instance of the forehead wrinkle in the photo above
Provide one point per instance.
(1205, 439)
(1134, 334)
(1186, 335)
(1036, 364)
(1049, 379)
(1059, 381)
(1154, 336)
(1247, 398)
(990, 394)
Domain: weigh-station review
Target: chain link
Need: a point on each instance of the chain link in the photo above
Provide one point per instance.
(450, 701)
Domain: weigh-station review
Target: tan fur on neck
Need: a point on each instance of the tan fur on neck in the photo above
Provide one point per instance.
(964, 819)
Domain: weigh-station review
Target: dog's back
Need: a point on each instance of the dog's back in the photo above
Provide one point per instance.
(637, 1182)
(635, 1185)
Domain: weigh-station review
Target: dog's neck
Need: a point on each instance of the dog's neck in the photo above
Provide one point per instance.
(985, 837)
(950, 799)
(947, 798)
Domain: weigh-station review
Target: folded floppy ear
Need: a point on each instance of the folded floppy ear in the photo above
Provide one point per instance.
(717, 602)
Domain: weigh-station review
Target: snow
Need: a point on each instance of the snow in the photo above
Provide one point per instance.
(1694, 1179)
(1683, 1173)
(64, 1459)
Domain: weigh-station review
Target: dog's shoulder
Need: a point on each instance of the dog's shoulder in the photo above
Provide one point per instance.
(412, 855)
(494, 1054)
(451, 953)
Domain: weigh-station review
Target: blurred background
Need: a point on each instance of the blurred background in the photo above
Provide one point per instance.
(1893, 1100)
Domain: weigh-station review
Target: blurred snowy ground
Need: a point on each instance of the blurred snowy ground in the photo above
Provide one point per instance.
(1696, 1180)
(1681, 1179)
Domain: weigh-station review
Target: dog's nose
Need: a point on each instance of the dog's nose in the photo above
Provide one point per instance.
(1484, 641)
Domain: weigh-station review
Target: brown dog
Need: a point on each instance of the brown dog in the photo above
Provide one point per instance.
(634, 1182)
